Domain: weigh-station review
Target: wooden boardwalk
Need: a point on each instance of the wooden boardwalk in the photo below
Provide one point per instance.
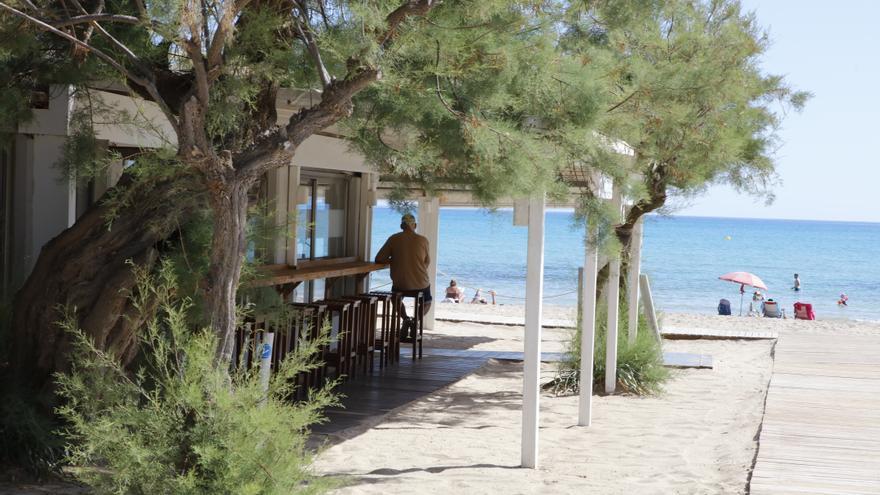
(821, 429)
(713, 334)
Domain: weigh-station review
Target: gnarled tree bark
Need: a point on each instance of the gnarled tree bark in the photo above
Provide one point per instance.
(87, 269)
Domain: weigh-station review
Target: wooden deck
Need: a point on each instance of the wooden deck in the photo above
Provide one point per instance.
(821, 429)
(369, 397)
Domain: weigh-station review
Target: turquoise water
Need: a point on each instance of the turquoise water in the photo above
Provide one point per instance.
(683, 256)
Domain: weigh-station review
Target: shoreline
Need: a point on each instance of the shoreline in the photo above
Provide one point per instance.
(559, 311)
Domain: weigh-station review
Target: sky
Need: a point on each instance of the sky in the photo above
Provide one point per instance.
(827, 162)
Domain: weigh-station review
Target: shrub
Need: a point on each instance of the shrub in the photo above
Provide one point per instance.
(640, 367)
(181, 424)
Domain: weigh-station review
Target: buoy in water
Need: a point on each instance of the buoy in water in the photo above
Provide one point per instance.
(727, 238)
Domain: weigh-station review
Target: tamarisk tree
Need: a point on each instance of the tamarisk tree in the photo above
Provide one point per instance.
(213, 67)
(689, 95)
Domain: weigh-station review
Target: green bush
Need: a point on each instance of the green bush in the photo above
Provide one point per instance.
(640, 367)
(181, 424)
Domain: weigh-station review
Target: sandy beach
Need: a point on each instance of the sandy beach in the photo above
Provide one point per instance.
(698, 436)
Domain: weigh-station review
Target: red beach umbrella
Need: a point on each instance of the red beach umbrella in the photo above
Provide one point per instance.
(743, 278)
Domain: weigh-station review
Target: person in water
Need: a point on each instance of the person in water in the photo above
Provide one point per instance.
(797, 282)
(843, 300)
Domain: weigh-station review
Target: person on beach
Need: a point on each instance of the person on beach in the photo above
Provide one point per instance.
(454, 294)
(757, 305)
(479, 299)
(407, 252)
(757, 297)
(797, 283)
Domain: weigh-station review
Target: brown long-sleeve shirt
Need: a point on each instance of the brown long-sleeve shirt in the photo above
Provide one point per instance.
(408, 254)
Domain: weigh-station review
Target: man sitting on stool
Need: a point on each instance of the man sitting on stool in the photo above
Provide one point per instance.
(407, 252)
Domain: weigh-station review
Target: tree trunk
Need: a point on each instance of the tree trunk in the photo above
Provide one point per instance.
(655, 181)
(230, 205)
(86, 268)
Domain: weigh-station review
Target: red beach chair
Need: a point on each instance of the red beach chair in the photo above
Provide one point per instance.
(803, 311)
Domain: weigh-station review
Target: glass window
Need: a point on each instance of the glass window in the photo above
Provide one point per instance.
(304, 221)
(321, 224)
(330, 219)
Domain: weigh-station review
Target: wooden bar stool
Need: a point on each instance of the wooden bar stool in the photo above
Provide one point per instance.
(395, 321)
(384, 341)
(418, 319)
(366, 342)
(345, 354)
(309, 327)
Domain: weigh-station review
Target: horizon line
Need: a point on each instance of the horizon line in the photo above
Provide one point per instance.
(660, 215)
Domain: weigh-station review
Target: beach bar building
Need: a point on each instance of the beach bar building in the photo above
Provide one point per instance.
(323, 200)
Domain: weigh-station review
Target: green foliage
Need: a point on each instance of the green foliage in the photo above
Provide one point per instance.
(640, 367)
(689, 95)
(181, 424)
(481, 98)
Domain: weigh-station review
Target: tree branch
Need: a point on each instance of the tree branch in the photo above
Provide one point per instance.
(142, 10)
(134, 77)
(622, 102)
(278, 147)
(305, 32)
(76, 41)
(88, 18)
(193, 47)
(412, 8)
(224, 28)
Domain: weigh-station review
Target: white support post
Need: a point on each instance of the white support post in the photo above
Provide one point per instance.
(266, 363)
(648, 301)
(613, 312)
(292, 195)
(278, 182)
(532, 338)
(588, 329)
(429, 226)
(632, 284)
(365, 224)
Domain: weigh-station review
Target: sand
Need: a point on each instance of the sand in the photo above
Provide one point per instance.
(696, 437)
(550, 311)
(839, 326)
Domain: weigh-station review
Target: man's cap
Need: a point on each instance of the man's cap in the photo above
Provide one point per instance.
(408, 219)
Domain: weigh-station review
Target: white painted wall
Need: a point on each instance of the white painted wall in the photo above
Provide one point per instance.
(133, 122)
(44, 200)
(329, 153)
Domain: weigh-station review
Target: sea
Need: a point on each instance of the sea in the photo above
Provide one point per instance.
(683, 256)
